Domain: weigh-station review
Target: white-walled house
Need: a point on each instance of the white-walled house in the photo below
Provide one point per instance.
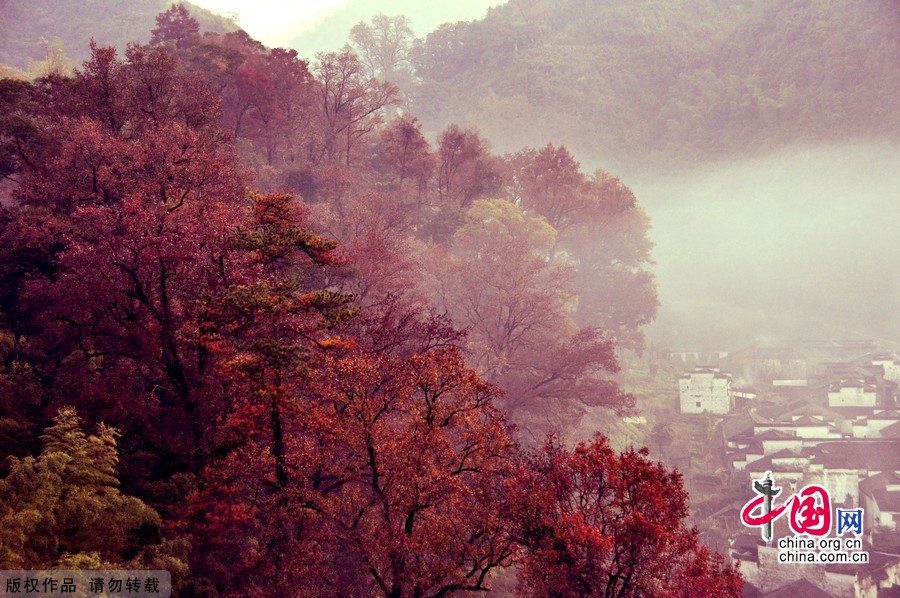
(891, 366)
(880, 495)
(852, 392)
(705, 389)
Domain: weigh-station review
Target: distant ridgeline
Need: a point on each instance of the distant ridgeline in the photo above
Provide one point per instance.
(657, 82)
(110, 22)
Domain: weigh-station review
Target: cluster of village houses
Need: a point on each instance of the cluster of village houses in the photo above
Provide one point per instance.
(805, 419)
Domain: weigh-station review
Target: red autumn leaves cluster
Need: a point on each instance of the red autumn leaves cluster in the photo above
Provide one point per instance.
(600, 523)
(304, 414)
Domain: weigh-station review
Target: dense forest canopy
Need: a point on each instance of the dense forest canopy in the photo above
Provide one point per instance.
(341, 383)
(337, 322)
(28, 28)
(761, 137)
(664, 84)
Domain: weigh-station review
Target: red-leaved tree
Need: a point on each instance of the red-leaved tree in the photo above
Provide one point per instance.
(595, 523)
(517, 307)
(414, 479)
(602, 233)
(268, 328)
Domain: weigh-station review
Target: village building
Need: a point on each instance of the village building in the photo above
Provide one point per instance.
(764, 575)
(833, 423)
(705, 388)
(889, 364)
(853, 392)
(880, 496)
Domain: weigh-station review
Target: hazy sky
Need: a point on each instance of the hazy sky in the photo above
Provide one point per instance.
(278, 22)
(270, 21)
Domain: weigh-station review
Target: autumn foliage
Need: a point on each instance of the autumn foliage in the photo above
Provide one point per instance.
(316, 386)
(600, 524)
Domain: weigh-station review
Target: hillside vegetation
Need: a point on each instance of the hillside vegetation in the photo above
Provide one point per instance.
(667, 82)
(24, 26)
(347, 392)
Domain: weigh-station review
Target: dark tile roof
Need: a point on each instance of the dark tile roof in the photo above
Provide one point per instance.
(886, 541)
(775, 435)
(747, 542)
(888, 501)
(737, 456)
(766, 464)
(801, 588)
(863, 369)
(777, 410)
(801, 407)
(745, 438)
(891, 431)
(853, 412)
(735, 425)
(877, 560)
(871, 454)
(786, 453)
(755, 448)
(749, 590)
(879, 481)
(876, 487)
(803, 393)
(882, 357)
(867, 382)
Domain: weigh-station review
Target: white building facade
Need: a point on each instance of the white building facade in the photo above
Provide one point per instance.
(705, 389)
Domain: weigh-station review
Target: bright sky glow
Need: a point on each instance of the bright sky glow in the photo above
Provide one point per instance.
(272, 21)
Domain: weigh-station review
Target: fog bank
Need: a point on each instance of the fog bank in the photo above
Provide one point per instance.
(800, 244)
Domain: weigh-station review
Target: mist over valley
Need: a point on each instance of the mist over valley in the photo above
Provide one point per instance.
(796, 245)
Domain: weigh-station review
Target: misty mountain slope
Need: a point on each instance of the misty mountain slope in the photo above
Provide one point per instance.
(109, 22)
(653, 82)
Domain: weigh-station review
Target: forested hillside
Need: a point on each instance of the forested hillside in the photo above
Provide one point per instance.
(74, 22)
(260, 331)
(656, 82)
